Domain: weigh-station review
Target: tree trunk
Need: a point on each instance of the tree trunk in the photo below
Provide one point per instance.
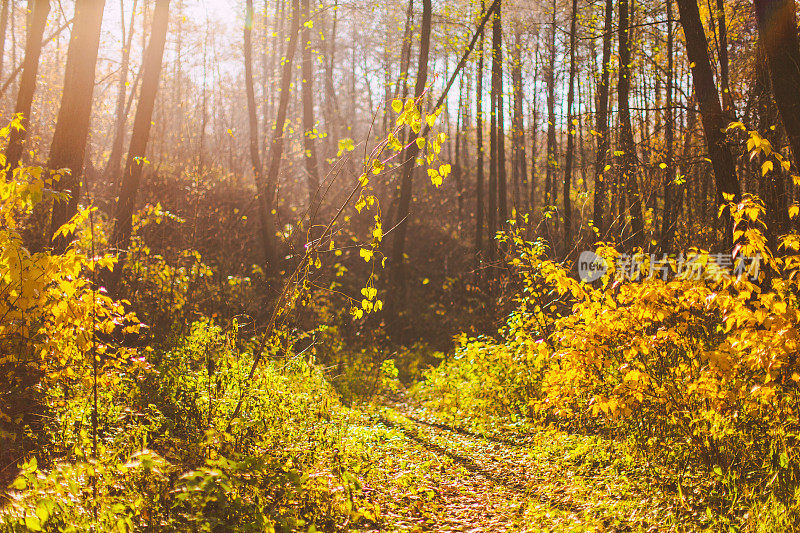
(603, 140)
(408, 157)
(628, 159)
(121, 117)
(27, 87)
(457, 166)
(309, 142)
(724, 67)
(519, 176)
(669, 219)
(497, 87)
(252, 118)
(550, 80)
(268, 187)
(713, 118)
(777, 33)
(142, 122)
(72, 126)
(569, 155)
(479, 175)
(491, 218)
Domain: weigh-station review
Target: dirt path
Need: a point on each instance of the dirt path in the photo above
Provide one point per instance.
(543, 482)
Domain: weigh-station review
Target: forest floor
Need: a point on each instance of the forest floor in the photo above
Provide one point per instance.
(435, 477)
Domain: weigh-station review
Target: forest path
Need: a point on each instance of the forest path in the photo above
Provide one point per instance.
(546, 481)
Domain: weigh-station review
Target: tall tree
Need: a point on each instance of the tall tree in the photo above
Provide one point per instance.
(669, 218)
(408, 157)
(603, 141)
(252, 118)
(777, 34)
(724, 64)
(497, 88)
(134, 164)
(268, 187)
(72, 126)
(120, 115)
(518, 173)
(713, 117)
(312, 169)
(479, 172)
(27, 86)
(570, 152)
(550, 80)
(494, 90)
(627, 145)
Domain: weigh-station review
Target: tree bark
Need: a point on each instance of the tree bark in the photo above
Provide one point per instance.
(409, 156)
(491, 217)
(628, 159)
(777, 33)
(252, 118)
(518, 176)
(603, 140)
(312, 168)
(550, 80)
(479, 172)
(267, 188)
(669, 219)
(724, 65)
(570, 153)
(121, 117)
(142, 122)
(713, 117)
(500, 154)
(72, 126)
(27, 85)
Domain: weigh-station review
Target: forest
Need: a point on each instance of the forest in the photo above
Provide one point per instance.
(477, 265)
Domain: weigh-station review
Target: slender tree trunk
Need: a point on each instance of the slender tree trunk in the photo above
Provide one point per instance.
(550, 80)
(121, 117)
(142, 122)
(724, 67)
(479, 173)
(713, 118)
(27, 86)
(519, 175)
(669, 220)
(332, 117)
(465, 121)
(777, 33)
(267, 188)
(628, 147)
(534, 156)
(309, 143)
(72, 126)
(569, 156)
(252, 118)
(497, 87)
(408, 157)
(401, 92)
(493, 138)
(603, 140)
(457, 168)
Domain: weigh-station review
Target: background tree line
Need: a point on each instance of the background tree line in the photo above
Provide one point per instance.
(598, 120)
